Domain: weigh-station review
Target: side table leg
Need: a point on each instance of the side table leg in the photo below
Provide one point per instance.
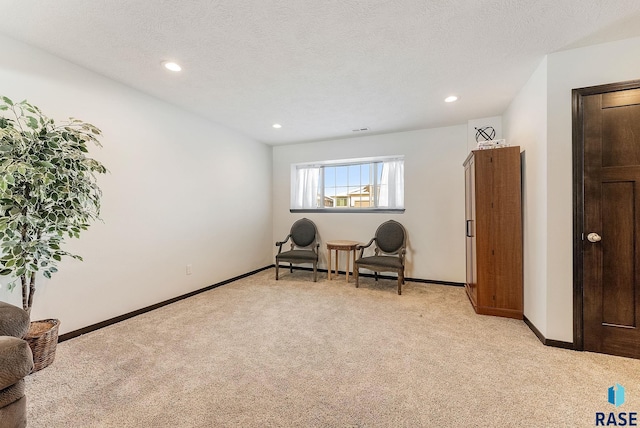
(354, 259)
(329, 264)
(346, 272)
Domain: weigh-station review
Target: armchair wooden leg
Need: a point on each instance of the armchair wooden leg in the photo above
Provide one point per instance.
(315, 272)
(356, 273)
(291, 267)
(277, 271)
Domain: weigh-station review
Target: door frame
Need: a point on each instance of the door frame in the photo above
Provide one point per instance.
(577, 110)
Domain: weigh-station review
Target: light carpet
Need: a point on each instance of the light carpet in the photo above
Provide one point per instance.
(294, 353)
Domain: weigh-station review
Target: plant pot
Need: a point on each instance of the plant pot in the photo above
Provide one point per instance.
(43, 339)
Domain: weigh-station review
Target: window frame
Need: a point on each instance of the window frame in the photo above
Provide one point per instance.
(379, 160)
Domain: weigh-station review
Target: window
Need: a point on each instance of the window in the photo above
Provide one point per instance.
(352, 185)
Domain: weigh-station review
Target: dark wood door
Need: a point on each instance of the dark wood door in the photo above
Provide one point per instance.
(611, 226)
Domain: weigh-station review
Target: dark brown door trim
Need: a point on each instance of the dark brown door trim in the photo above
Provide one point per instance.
(578, 198)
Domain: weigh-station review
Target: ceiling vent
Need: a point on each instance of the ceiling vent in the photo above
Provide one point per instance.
(360, 129)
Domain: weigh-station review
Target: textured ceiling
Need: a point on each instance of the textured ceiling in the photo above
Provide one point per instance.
(320, 67)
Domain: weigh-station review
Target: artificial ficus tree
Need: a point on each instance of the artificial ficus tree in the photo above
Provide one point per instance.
(48, 191)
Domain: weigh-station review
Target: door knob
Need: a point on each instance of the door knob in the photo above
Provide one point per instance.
(594, 237)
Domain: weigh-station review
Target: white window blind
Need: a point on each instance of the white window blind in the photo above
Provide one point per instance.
(306, 190)
(392, 185)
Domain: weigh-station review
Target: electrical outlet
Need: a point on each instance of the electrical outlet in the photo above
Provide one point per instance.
(189, 266)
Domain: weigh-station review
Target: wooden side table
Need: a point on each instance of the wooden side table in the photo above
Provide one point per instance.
(341, 245)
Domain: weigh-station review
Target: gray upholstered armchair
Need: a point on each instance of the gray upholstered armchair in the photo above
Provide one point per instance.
(390, 249)
(16, 361)
(304, 246)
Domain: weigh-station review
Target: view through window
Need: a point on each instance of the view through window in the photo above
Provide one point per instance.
(373, 184)
(351, 185)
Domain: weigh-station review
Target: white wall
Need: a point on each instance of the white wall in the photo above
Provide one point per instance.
(594, 65)
(434, 197)
(525, 125)
(548, 171)
(176, 194)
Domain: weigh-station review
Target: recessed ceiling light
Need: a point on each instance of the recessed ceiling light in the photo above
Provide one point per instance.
(451, 99)
(172, 66)
(277, 125)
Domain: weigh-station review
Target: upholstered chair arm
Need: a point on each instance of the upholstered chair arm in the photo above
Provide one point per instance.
(402, 253)
(281, 243)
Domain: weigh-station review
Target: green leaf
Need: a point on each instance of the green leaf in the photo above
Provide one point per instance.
(5, 272)
(7, 100)
(45, 164)
(32, 122)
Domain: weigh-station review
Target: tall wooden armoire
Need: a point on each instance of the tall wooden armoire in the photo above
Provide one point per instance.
(493, 214)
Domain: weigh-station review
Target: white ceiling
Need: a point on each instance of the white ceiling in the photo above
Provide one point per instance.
(320, 67)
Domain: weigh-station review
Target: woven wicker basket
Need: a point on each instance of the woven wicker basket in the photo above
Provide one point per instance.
(43, 339)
